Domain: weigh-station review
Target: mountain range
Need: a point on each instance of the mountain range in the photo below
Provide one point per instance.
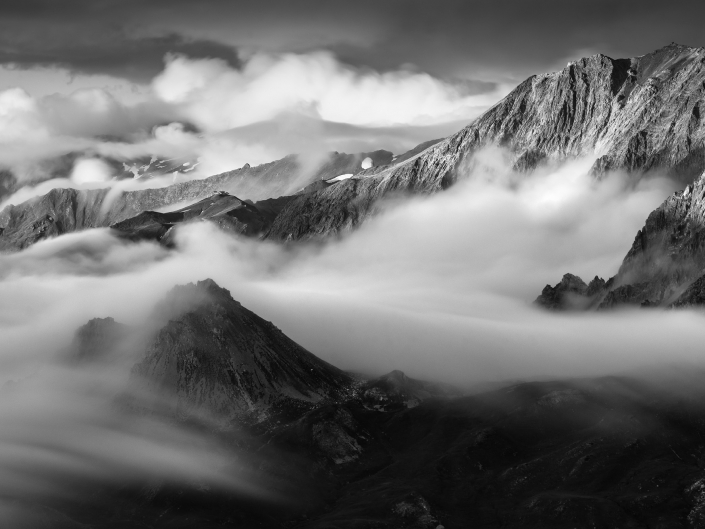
(640, 115)
(66, 210)
(343, 450)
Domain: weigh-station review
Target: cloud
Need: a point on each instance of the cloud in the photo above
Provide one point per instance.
(276, 105)
(437, 286)
(441, 285)
(20, 117)
(218, 97)
(487, 41)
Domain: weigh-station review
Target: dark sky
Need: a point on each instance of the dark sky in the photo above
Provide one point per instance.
(477, 41)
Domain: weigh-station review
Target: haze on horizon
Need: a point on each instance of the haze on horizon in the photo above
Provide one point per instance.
(247, 84)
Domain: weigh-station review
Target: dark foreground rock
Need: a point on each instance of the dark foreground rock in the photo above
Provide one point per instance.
(330, 450)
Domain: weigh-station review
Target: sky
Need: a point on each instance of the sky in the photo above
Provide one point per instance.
(477, 42)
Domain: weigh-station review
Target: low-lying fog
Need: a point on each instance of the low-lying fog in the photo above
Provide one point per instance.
(439, 287)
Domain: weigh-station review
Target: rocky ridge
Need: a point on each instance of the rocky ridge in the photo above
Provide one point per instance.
(664, 267)
(65, 210)
(640, 114)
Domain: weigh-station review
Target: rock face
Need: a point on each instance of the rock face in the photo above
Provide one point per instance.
(664, 267)
(213, 355)
(639, 114)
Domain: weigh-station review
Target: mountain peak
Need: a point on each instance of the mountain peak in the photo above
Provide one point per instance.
(205, 287)
(213, 355)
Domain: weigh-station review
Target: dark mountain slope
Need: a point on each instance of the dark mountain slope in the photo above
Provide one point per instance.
(216, 356)
(638, 114)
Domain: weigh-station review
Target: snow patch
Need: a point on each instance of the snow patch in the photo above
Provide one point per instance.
(366, 163)
(339, 178)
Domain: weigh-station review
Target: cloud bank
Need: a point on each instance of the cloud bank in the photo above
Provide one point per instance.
(218, 97)
(439, 287)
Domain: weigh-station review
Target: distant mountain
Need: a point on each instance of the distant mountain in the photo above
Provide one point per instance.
(141, 167)
(65, 210)
(664, 267)
(640, 114)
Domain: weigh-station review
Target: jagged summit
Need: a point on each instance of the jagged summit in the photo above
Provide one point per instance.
(665, 265)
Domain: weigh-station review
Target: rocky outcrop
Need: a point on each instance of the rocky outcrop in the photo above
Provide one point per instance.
(640, 114)
(572, 293)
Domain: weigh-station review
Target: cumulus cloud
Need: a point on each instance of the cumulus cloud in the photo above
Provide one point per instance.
(20, 117)
(273, 105)
(218, 97)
